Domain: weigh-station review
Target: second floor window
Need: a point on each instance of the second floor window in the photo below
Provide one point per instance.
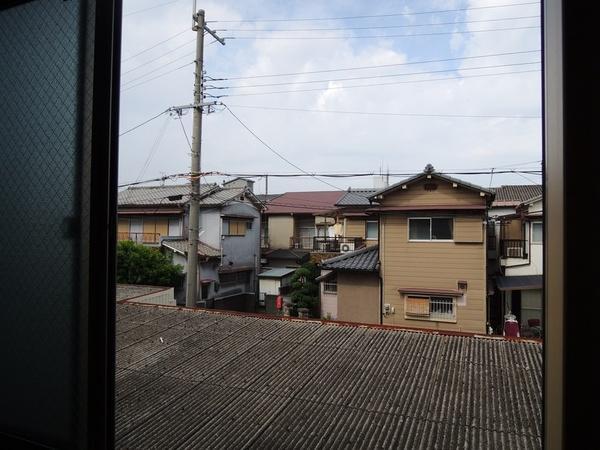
(430, 229)
(330, 286)
(232, 227)
(536, 232)
(372, 229)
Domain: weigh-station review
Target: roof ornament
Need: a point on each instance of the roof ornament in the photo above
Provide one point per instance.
(429, 169)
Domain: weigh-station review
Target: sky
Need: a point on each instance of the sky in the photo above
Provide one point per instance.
(394, 124)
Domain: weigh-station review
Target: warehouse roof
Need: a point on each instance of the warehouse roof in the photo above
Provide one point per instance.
(200, 379)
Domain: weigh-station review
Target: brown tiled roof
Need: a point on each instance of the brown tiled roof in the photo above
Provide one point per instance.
(304, 202)
(199, 379)
(514, 194)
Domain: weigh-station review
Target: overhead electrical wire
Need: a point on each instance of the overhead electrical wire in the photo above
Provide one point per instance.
(147, 49)
(374, 113)
(156, 77)
(159, 56)
(376, 84)
(440, 33)
(489, 55)
(149, 8)
(156, 70)
(275, 151)
(404, 14)
(143, 123)
(153, 149)
(427, 72)
(381, 27)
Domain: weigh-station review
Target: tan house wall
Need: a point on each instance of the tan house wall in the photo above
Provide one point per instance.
(358, 297)
(281, 228)
(434, 265)
(445, 194)
(355, 227)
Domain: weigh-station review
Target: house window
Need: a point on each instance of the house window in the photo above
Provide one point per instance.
(174, 229)
(233, 278)
(430, 229)
(372, 230)
(330, 286)
(537, 230)
(441, 309)
(235, 227)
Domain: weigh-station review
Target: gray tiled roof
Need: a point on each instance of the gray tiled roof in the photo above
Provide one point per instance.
(356, 197)
(181, 245)
(365, 259)
(266, 198)
(516, 193)
(200, 379)
(157, 195)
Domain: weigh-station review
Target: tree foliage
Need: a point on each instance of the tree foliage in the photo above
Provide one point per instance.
(138, 264)
(305, 290)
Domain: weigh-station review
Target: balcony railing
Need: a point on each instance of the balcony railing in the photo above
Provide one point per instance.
(326, 244)
(140, 238)
(513, 248)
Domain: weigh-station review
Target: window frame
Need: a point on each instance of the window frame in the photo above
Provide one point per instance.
(428, 318)
(238, 221)
(367, 238)
(430, 218)
(330, 282)
(537, 222)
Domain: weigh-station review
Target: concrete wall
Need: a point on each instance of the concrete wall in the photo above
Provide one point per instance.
(281, 229)
(358, 297)
(329, 307)
(210, 226)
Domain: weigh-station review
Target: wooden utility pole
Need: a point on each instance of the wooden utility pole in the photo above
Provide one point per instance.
(193, 274)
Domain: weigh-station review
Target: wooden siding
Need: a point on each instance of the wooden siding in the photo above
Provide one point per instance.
(468, 229)
(162, 226)
(358, 297)
(281, 229)
(432, 265)
(355, 227)
(123, 226)
(445, 194)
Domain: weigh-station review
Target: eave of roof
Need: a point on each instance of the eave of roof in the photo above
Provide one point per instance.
(427, 208)
(428, 291)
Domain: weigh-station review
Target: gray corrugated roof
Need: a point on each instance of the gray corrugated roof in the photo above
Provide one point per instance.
(366, 259)
(356, 197)
(286, 253)
(266, 198)
(516, 193)
(157, 195)
(519, 282)
(276, 273)
(181, 245)
(198, 379)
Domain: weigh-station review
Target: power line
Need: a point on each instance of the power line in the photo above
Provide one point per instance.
(153, 149)
(376, 84)
(156, 70)
(143, 123)
(184, 132)
(427, 72)
(156, 77)
(440, 33)
(160, 56)
(372, 113)
(148, 9)
(310, 19)
(273, 150)
(155, 45)
(378, 66)
(381, 27)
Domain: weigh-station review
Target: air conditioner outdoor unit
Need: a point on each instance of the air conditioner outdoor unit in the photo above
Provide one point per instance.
(347, 247)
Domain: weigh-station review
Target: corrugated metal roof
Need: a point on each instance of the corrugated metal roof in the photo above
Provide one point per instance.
(157, 195)
(233, 381)
(519, 282)
(304, 202)
(181, 246)
(356, 197)
(366, 259)
(515, 193)
(276, 273)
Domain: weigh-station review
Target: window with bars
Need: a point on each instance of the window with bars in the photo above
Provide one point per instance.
(430, 308)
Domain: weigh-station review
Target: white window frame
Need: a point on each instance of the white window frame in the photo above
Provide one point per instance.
(431, 319)
(430, 226)
(329, 282)
(531, 229)
(376, 222)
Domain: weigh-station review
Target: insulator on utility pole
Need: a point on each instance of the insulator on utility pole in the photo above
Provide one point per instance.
(193, 274)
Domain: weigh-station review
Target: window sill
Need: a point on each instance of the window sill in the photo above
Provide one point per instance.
(424, 319)
(431, 240)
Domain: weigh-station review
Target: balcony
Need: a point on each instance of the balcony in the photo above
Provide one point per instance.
(140, 238)
(513, 248)
(325, 244)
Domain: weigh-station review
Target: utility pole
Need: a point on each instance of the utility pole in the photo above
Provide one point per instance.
(191, 288)
(266, 184)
